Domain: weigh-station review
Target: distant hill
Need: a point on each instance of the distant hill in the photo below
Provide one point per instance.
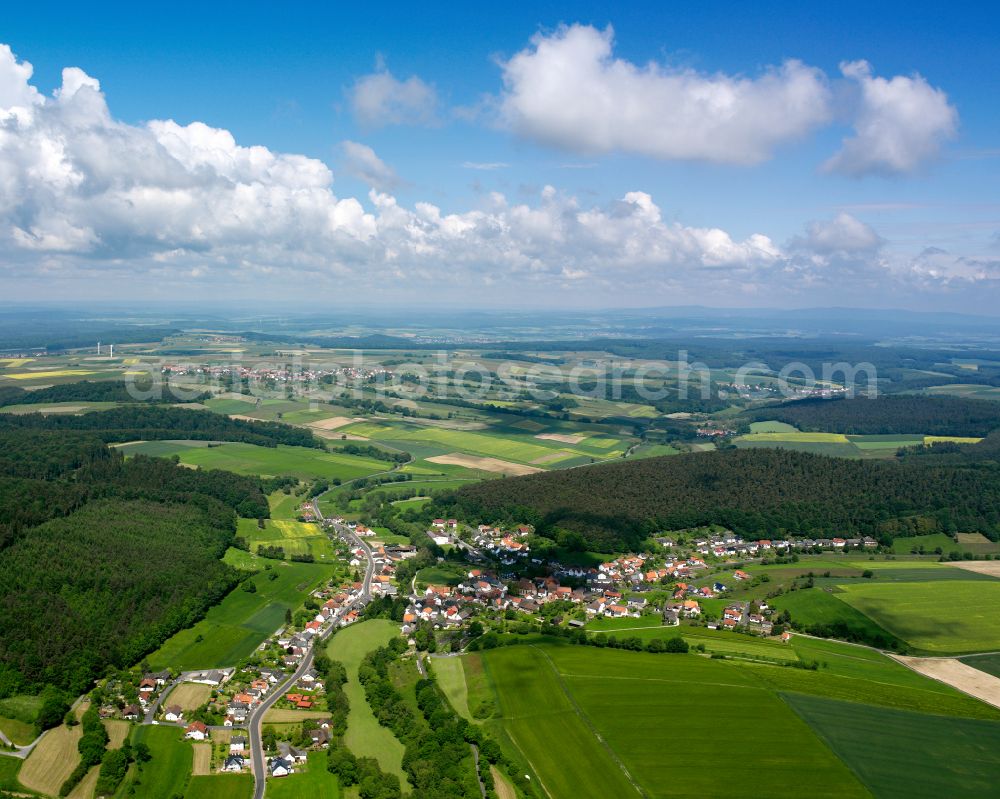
(760, 491)
(896, 413)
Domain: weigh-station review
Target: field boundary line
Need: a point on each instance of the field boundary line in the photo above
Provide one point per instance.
(586, 720)
(510, 734)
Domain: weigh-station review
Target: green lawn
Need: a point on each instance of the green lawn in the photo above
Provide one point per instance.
(9, 767)
(311, 782)
(365, 736)
(947, 616)
(441, 574)
(897, 753)
(232, 629)
(18, 731)
(450, 675)
(583, 718)
(166, 774)
(302, 462)
(223, 786)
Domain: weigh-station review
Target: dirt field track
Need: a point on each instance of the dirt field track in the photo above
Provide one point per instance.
(486, 464)
(990, 567)
(52, 761)
(956, 674)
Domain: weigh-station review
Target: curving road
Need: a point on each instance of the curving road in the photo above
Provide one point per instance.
(255, 721)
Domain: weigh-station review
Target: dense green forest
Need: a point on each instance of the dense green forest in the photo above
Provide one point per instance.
(895, 413)
(107, 584)
(759, 491)
(83, 391)
(102, 559)
(157, 422)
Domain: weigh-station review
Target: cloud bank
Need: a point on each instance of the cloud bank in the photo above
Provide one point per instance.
(87, 200)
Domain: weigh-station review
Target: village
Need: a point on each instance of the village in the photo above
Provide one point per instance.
(499, 581)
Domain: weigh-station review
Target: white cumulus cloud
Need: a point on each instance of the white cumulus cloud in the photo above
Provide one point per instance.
(568, 90)
(844, 233)
(159, 205)
(901, 123)
(380, 99)
(362, 162)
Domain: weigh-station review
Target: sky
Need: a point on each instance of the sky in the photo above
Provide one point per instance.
(556, 155)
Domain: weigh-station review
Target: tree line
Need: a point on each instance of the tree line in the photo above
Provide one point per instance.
(156, 422)
(888, 414)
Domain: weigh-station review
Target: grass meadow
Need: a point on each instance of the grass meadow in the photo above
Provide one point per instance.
(221, 786)
(168, 771)
(810, 606)
(232, 629)
(302, 462)
(365, 736)
(311, 782)
(939, 616)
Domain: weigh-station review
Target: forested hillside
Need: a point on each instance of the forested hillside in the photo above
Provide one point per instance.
(82, 391)
(102, 559)
(895, 413)
(754, 492)
(107, 584)
(156, 422)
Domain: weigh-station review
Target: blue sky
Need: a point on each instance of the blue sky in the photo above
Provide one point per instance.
(923, 231)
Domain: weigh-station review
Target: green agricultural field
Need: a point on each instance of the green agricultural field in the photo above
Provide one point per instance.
(510, 446)
(772, 427)
(943, 617)
(365, 736)
(860, 662)
(654, 451)
(844, 449)
(904, 546)
(166, 774)
(450, 674)
(582, 718)
(302, 462)
(797, 437)
(296, 538)
(815, 606)
(222, 786)
(284, 506)
(314, 782)
(889, 442)
(233, 628)
(550, 733)
(922, 756)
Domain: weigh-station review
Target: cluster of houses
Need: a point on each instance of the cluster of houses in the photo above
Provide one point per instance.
(729, 544)
(288, 756)
(279, 374)
(742, 615)
(507, 546)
